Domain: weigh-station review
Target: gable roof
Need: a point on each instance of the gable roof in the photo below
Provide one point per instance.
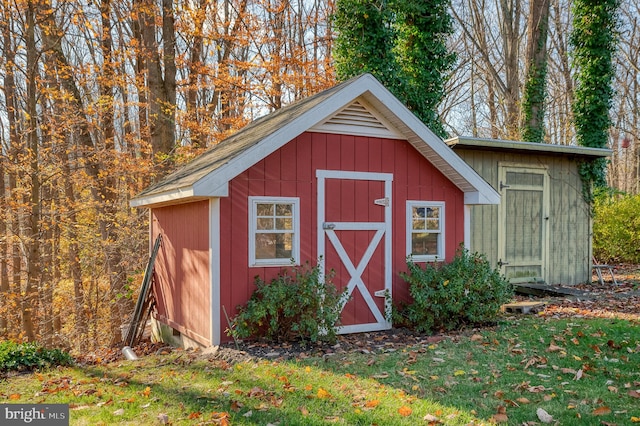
(208, 175)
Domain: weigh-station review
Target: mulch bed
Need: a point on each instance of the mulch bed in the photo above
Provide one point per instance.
(603, 301)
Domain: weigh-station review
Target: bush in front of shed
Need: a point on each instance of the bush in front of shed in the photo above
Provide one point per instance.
(446, 296)
(296, 305)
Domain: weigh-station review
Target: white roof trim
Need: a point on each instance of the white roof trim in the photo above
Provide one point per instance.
(169, 197)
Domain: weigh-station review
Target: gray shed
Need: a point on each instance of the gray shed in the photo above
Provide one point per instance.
(541, 230)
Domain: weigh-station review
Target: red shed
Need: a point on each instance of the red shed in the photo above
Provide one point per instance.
(349, 178)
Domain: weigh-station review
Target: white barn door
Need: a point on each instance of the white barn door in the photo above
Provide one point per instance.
(354, 244)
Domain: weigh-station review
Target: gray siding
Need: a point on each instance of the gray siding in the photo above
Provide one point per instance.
(569, 215)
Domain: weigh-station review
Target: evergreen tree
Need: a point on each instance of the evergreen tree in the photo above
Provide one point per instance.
(403, 44)
(594, 41)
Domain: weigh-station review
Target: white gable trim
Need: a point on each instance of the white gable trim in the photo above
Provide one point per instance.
(367, 90)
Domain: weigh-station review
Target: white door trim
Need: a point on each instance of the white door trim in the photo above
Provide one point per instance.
(383, 233)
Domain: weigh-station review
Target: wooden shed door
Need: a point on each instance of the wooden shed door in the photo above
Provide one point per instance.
(523, 238)
(354, 244)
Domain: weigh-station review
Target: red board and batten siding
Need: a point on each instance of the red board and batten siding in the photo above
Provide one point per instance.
(290, 172)
(183, 283)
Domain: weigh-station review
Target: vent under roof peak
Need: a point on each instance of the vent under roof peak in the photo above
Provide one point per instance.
(358, 119)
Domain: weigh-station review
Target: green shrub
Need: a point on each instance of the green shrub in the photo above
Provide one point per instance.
(30, 356)
(447, 296)
(616, 228)
(294, 306)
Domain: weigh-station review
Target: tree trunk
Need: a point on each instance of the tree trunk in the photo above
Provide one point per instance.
(32, 237)
(536, 71)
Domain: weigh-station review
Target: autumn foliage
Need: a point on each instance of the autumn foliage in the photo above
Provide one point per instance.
(99, 100)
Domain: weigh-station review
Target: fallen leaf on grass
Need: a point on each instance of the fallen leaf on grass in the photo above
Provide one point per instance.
(501, 415)
(477, 338)
(543, 416)
(405, 411)
(554, 348)
(323, 394)
(14, 396)
(635, 419)
(372, 404)
(163, 418)
(634, 394)
(601, 411)
(303, 411)
(431, 419)
(500, 418)
(579, 374)
(118, 412)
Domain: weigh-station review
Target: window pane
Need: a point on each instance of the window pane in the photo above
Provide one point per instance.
(424, 244)
(266, 246)
(433, 212)
(263, 209)
(284, 246)
(418, 224)
(284, 224)
(284, 209)
(274, 246)
(433, 224)
(419, 212)
(265, 223)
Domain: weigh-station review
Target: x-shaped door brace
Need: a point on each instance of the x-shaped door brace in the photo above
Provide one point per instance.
(356, 273)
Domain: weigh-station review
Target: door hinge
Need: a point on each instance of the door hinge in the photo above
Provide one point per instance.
(503, 186)
(382, 202)
(328, 225)
(381, 293)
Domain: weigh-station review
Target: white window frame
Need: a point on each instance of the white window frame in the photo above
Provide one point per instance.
(439, 257)
(295, 240)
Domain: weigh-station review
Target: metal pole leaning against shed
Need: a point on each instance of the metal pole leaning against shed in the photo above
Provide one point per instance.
(143, 305)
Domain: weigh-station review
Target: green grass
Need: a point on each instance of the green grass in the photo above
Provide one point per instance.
(579, 370)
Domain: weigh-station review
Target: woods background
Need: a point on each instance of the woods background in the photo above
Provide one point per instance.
(100, 98)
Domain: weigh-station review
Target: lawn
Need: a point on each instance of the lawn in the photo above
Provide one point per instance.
(575, 368)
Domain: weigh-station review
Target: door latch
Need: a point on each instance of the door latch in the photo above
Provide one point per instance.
(328, 225)
(501, 263)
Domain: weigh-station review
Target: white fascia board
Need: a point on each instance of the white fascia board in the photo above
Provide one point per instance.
(476, 197)
(162, 198)
(483, 193)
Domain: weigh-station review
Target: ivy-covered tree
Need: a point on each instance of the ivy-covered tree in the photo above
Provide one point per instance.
(403, 44)
(421, 51)
(594, 41)
(364, 40)
(535, 85)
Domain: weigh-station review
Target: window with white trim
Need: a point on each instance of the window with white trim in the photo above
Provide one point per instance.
(274, 231)
(425, 230)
